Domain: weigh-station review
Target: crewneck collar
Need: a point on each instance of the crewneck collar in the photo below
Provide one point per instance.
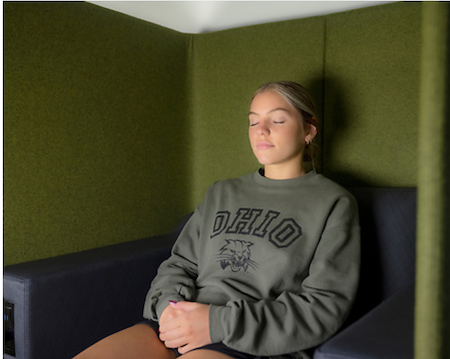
(258, 176)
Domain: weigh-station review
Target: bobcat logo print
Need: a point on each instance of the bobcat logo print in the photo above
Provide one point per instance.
(236, 254)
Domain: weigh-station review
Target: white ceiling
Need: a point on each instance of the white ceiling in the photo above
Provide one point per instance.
(206, 16)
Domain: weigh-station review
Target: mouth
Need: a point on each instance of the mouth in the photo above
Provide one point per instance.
(264, 145)
(236, 266)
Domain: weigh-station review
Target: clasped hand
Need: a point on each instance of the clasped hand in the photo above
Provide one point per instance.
(185, 326)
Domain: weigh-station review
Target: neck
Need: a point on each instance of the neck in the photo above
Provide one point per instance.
(281, 172)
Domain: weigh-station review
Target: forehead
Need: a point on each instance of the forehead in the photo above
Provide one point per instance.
(269, 101)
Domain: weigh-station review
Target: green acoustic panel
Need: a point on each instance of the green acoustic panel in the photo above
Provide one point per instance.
(227, 67)
(95, 146)
(432, 311)
(371, 107)
(114, 127)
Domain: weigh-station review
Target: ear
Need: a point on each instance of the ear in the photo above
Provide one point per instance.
(311, 131)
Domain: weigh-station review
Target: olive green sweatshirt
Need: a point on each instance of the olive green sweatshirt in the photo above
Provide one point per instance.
(278, 260)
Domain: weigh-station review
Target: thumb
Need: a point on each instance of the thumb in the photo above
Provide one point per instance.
(184, 306)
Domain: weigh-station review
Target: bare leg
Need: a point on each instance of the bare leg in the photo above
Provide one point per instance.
(204, 354)
(137, 342)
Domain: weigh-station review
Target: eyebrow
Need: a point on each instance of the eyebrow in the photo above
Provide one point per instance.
(273, 110)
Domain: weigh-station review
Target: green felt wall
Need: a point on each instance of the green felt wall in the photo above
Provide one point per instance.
(115, 127)
(95, 145)
(432, 313)
(372, 67)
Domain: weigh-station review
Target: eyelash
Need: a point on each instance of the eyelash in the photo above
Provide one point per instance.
(275, 122)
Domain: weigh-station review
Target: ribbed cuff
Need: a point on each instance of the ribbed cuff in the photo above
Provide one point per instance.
(219, 322)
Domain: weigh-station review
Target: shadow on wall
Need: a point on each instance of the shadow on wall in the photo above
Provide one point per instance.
(316, 88)
(337, 124)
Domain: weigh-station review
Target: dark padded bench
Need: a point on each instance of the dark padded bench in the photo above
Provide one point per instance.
(381, 325)
(66, 303)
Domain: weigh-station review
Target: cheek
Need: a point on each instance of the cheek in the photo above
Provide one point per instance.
(296, 140)
(293, 135)
(251, 135)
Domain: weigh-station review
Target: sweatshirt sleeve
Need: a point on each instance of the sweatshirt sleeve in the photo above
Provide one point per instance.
(176, 276)
(297, 321)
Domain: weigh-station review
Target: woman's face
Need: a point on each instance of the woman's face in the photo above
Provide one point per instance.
(277, 132)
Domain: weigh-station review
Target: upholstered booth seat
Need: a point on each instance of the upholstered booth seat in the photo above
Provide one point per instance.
(66, 303)
(382, 322)
(385, 332)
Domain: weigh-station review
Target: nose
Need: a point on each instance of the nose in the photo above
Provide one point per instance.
(262, 129)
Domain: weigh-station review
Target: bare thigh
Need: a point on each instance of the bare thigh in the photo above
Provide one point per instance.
(204, 354)
(137, 342)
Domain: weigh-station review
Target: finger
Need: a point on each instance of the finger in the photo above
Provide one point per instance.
(188, 347)
(171, 321)
(185, 349)
(174, 314)
(170, 329)
(169, 325)
(171, 334)
(169, 313)
(175, 343)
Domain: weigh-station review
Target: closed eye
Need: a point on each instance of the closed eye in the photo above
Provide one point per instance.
(278, 119)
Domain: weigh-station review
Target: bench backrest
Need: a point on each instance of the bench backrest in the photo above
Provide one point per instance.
(388, 243)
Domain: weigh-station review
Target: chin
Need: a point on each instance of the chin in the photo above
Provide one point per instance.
(264, 162)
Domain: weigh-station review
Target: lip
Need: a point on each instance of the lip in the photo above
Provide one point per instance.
(264, 145)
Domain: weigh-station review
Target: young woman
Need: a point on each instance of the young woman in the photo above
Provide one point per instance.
(268, 264)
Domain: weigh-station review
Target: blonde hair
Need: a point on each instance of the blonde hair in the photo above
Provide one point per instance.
(300, 99)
